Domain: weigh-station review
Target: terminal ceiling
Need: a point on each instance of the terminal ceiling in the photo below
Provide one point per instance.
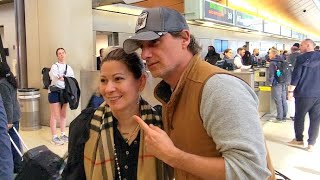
(302, 14)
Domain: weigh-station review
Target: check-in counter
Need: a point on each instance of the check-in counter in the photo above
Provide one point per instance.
(263, 90)
(245, 74)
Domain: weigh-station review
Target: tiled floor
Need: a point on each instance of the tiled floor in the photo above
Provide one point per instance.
(297, 164)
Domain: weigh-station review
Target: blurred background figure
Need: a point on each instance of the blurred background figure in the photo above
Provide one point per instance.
(99, 58)
(255, 60)
(8, 91)
(6, 161)
(246, 58)
(227, 61)
(212, 56)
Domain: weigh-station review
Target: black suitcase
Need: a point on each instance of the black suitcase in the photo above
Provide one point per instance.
(38, 163)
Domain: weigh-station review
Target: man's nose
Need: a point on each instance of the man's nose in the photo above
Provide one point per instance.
(146, 53)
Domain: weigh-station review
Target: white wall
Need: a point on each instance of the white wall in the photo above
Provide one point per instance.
(7, 20)
(53, 24)
(101, 42)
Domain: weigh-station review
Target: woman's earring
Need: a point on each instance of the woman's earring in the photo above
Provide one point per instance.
(139, 99)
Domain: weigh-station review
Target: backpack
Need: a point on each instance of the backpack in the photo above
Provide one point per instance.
(46, 77)
(283, 72)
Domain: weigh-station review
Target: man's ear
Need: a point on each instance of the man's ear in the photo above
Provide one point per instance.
(185, 36)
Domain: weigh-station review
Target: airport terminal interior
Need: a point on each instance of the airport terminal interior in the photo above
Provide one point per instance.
(31, 31)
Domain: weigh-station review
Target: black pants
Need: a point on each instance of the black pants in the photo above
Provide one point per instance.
(303, 106)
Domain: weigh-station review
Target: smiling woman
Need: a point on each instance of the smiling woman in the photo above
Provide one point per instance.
(113, 131)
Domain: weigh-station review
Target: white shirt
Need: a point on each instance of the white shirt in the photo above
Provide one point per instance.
(57, 70)
(238, 63)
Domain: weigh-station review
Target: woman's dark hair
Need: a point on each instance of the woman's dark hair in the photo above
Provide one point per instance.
(193, 47)
(132, 61)
(226, 51)
(58, 50)
(5, 72)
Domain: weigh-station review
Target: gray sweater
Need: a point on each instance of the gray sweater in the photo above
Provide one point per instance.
(229, 109)
(10, 101)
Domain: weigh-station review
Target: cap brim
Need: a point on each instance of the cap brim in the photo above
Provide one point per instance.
(131, 44)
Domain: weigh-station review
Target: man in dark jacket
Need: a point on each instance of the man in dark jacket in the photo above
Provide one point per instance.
(305, 87)
(6, 160)
(278, 89)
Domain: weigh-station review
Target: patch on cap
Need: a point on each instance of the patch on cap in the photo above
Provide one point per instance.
(142, 21)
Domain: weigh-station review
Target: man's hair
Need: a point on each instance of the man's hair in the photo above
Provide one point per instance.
(239, 49)
(274, 51)
(193, 47)
(309, 41)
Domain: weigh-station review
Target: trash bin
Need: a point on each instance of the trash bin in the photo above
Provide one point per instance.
(29, 100)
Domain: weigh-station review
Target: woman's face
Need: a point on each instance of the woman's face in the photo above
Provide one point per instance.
(61, 54)
(118, 86)
(228, 54)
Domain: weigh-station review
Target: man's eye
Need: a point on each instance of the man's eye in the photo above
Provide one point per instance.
(154, 41)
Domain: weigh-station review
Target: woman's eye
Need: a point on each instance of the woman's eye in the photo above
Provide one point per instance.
(102, 80)
(118, 78)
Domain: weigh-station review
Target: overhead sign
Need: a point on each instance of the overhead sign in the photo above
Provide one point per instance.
(218, 13)
(271, 27)
(247, 21)
(285, 31)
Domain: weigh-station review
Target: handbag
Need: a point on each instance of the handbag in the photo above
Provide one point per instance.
(54, 89)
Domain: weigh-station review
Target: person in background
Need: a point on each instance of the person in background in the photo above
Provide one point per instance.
(6, 160)
(238, 61)
(285, 55)
(56, 97)
(99, 58)
(198, 141)
(305, 87)
(111, 132)
(8, 91)
(255, 60)
(227, 61)
(292, 58)
(246, 58)
(317, 48)
(212, 56)
(278, 89)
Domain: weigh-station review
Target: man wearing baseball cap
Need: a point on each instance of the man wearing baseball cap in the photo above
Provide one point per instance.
(210, 118)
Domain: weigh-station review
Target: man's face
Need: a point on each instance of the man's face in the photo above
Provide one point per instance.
(303, 47)
(272, 55)
(163, 55)
(242, 52)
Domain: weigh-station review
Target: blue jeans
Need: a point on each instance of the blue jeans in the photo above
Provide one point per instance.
(312, 106)
(279, 94)
(16, 157)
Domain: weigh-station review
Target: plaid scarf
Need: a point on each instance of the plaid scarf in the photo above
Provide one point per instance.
(99, 154)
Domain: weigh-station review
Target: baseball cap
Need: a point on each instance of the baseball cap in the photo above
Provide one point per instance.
(152, 23)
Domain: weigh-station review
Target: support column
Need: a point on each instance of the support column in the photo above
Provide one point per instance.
(21, 43)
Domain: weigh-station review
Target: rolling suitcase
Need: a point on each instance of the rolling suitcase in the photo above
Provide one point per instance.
(38, 163)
